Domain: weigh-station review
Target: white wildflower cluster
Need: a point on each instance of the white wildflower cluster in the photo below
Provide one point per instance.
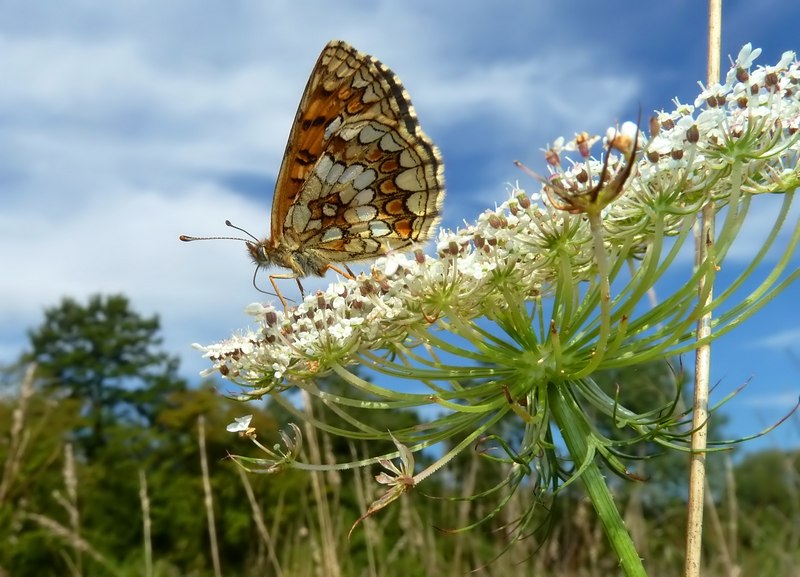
(753, 119)
(521, 250)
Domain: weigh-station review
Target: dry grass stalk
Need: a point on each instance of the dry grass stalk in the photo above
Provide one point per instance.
(258, 518)
(144, 498)
(19, 435)
(329, 565)
(75, 541)
(209, 498)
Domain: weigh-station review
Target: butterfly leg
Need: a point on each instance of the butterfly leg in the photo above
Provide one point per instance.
(348, 275)
(272, 279)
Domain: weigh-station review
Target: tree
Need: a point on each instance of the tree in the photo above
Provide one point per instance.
(106, 356)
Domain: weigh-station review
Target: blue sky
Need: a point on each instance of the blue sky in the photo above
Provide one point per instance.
(126, 124)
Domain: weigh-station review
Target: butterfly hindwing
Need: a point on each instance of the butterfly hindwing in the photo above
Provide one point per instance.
(359, 176)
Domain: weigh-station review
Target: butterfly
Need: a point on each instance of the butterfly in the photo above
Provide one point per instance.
(359, 177)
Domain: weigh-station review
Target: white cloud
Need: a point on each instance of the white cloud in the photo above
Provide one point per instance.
(127, 241)
(781, 341)
(540, 90)
(783, 401)
(104, 106)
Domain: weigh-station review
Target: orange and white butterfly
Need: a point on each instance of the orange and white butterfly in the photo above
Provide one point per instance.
(358, 179)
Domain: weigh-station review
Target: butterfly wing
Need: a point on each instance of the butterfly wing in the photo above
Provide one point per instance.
(359, 176)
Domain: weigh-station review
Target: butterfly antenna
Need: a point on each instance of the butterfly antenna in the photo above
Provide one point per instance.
(230, 224)
(187, 238)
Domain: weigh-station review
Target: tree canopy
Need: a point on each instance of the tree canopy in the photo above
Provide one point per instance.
(108, 357)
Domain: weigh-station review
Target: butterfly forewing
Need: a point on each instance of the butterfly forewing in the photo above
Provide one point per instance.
(359, 176)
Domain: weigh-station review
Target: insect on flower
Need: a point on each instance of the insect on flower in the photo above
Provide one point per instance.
(358, 179)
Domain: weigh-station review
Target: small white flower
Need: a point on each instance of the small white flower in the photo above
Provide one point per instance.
(393, 262)
(746, 56)
(258, 309)
(786, 59)
(240, 424)
(712, 95)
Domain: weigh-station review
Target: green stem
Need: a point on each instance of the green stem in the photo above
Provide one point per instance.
(605, 296)
(567, 417)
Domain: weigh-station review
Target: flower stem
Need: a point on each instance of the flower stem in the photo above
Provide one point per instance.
(567, 416)
(601, 260)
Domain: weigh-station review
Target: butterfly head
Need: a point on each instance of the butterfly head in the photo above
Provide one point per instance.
(301, 261)
(264, 253)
